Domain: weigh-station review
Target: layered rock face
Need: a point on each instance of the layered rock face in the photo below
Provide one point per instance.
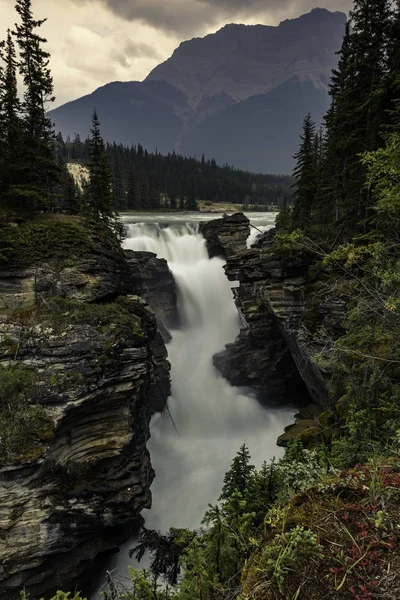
(101, 369)
(226, 236)
(152, 280)
(278, 286)
(275, 350)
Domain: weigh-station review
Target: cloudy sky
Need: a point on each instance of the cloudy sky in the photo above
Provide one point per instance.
(93, 42)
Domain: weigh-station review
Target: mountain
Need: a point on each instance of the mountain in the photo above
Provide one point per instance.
(238, 95)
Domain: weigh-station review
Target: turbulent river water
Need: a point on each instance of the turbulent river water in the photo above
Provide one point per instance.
(211, 418)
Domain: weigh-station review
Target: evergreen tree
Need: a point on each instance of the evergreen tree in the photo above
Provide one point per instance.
(11, 142)
(305, 174)
(357, 112)
(70, 195)
(118, 188)
(239, 476)
(191, 196)
(41, 175)
(392, 80)
(100, 202)
(132, 199)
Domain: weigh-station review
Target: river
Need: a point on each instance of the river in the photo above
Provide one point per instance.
(211, 419)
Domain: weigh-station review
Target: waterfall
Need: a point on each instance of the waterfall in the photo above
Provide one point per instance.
(211, 418)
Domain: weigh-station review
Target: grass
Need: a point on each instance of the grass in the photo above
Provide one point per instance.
(58, 313)
(45, 239)
(24, 423)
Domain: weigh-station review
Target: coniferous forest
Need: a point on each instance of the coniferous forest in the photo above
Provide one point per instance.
(323, 521)
(152, 181)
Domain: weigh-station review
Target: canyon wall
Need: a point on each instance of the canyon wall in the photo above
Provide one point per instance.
(99, 366)
(276, 351)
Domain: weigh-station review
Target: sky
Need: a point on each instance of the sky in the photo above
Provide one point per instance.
(93, 42)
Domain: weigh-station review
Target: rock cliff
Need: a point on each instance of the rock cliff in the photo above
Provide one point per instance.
(226, 236)
(152, 280)
(275, 351)
(74, 487)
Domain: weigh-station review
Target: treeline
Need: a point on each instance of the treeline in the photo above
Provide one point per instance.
(333, 195)
(150, 181)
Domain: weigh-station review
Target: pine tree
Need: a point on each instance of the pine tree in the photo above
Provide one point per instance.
(191, 195)
(70, 196)
(305, 176)
(11, 143)
(392, 80)
(100, 202)
(239, 476)
(131, 194)
(357, 113)
(40, 169)
(118, 188)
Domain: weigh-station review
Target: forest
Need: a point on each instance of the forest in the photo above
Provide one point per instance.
(152, 181)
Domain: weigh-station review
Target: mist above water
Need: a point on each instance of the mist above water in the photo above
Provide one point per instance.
(211, 418)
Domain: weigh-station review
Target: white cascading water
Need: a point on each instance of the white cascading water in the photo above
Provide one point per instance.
(211, 418)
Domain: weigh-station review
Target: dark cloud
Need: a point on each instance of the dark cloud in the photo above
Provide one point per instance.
(130, 50)
(191, 16)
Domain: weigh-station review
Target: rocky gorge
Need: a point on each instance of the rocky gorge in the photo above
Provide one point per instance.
(75, 471)
(89, 323)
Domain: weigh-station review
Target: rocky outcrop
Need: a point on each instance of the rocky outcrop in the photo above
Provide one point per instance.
(95, 273)
(260, 357)
(152, 280)
(226, 236)
(101, 370)
(277, 348)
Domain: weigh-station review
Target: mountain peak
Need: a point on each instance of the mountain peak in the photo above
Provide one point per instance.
(246, 60)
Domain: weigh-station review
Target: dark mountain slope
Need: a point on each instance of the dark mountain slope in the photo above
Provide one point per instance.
(261, 133)
(130, 112)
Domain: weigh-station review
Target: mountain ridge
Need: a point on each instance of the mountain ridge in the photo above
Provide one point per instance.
(174, 107)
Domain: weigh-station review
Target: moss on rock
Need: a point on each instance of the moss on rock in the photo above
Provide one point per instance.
(33, 242)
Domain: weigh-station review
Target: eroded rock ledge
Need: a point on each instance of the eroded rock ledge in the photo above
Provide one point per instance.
(101, 370)
(274, 353)
(226, 236)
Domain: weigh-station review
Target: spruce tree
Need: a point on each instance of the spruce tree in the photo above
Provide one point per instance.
(11, 142)
(240, 475)
(100, 201)
(132, 199)
(41, 174)
(392, 81)
(356, 115)
(118, 188)
(305, 175)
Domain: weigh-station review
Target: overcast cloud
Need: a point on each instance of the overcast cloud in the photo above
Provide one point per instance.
(93, 42)
(185, 17)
